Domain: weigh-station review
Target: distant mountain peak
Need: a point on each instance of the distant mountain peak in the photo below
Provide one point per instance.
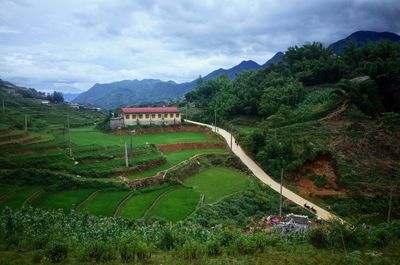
(362, 37)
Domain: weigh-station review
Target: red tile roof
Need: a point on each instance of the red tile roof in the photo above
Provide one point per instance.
(151, 110)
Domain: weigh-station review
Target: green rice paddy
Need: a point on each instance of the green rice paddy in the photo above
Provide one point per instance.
(105, 202)
(174, 158)
(65, 199)
(218, 182)
(136, 207)
(176, 205)
(88, 136)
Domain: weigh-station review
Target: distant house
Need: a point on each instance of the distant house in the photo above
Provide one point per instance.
(151, 115)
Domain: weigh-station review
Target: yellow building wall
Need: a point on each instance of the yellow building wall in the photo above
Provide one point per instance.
(154, 118)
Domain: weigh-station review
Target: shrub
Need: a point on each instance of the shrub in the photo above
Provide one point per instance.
(319, 180)
(167, 240)
(97, 251)
(213, 248)
(318, 238)
(127, 251)
(143, 251)
(191, 250)
(57, 252)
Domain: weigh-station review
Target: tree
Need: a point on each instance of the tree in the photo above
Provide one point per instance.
(55, 97)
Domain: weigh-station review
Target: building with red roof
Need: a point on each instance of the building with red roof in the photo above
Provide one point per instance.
(151, 115)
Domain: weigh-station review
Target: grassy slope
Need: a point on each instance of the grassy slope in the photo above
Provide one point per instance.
(218, 182)
(174, 158)
(65, 200)
(176, 205)
(105, 202)
(137, 206)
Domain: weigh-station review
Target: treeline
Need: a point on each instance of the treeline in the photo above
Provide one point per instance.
(285, 85)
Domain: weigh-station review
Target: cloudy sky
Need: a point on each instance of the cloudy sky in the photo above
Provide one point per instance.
(69, 45)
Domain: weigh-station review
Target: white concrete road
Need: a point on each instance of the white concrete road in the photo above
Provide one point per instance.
(261, 175)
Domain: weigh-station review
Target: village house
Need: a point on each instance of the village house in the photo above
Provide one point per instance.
(151, 115)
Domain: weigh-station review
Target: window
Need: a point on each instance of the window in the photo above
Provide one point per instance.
(140, 116)
(133, 116)
(147, 116)
(153, 115)
(159, 115)
(127, 116)
(171, 115)
(177, 115)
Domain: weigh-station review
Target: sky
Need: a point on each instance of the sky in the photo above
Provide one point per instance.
(69, 45)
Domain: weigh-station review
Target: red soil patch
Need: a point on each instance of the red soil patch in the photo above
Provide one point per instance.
(188, 146)
(324, 166)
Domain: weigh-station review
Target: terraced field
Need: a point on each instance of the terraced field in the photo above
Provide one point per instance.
(218, 182)
(174, 158)
(15, 199)
(137, 206)
(105, 202)
(87, 136)
(176, 205)
(65, 200)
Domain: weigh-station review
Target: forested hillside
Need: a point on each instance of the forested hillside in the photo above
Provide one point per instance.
(332, 122)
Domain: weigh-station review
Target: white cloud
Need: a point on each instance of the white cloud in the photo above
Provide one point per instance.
(73, 44)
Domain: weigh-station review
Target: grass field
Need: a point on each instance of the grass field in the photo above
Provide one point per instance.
(136, 207)
(19, 197)
(5, 189)
(174, 158)
(218, 182)
(176, 205)
(87, 136)
(105, 202)
(65, 200)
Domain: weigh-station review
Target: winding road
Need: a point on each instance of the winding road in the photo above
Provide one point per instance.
(261, 175)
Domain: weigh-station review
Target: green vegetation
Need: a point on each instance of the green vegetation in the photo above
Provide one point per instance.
(176, 204)
(105, 202)
(314, 104)
(62, 199)
(137, 206)
(18, 197)
(174, 158)
(87, 136)
(319, 180)
(217, 182)
(79, 238)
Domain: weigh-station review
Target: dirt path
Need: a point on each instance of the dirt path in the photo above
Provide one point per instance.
(261, 175)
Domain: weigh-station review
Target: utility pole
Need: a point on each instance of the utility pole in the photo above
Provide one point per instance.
(26, 123)
(215, 119)
(390, 203)
(280, 198)
(69, 136)
(231, 137)
(126, 155)
(186, 115)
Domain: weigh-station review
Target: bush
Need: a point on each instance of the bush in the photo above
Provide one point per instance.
(319, 180)
(98, 252)
(143, 251)
(127, 251)
(213, 248)
(57, 252)
(167, 240)
(318, 238)
(191, 250)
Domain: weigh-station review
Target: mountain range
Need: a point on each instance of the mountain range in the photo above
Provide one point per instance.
(151, 91)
